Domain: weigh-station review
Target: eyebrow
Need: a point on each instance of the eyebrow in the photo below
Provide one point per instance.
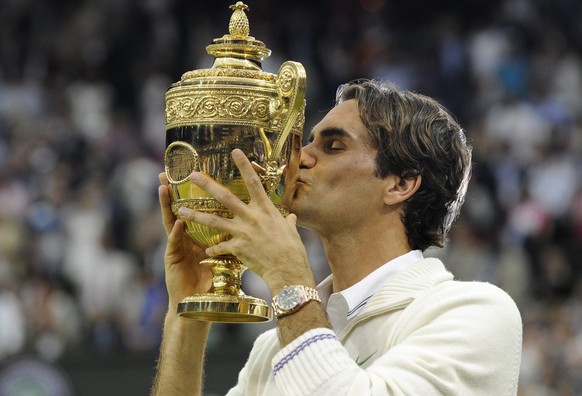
(330, 132)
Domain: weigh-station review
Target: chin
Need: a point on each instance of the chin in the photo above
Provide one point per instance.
(304, 220)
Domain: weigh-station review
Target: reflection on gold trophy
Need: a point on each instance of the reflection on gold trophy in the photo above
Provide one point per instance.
(210, 112)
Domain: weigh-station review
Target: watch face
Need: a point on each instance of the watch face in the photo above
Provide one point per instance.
(288, 298)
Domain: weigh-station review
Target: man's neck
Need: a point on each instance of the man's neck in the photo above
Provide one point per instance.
(353, 256)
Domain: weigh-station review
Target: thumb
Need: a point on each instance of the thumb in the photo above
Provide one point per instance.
(291, 219)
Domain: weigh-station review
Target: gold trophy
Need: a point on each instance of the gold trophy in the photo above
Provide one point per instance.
(210, 112)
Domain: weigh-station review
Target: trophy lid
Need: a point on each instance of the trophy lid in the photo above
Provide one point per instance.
(238, 44)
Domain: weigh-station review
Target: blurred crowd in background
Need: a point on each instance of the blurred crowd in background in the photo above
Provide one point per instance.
(82, 139)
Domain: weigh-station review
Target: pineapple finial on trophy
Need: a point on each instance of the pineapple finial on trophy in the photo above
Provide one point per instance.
(237, 48)
(239, 23)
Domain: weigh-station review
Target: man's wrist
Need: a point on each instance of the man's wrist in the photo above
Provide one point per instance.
(310, 316)
(176, 324)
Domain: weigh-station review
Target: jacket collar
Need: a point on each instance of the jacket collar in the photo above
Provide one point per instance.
(402, 289)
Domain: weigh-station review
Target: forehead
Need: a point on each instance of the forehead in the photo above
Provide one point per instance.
(344, 116)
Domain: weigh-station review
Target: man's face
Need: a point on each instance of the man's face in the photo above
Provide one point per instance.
(337, 188)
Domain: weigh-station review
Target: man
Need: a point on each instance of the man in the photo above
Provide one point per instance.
(383, 177)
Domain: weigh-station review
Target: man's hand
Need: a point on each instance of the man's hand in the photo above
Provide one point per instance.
(184, 274)
(264, 240)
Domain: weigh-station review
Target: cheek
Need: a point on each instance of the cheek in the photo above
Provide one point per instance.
(355, 172)
(354, 192)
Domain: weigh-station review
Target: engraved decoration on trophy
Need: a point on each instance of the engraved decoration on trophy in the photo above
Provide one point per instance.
(210, 112)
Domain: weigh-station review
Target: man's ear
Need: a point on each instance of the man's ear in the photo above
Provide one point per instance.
(399, 189)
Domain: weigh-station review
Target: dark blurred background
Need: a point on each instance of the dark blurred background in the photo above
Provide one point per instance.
(82, 84)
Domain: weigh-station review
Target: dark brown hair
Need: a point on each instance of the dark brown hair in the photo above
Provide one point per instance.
(415, 135)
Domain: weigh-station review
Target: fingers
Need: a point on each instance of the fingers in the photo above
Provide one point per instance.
(207, 219)
(168, 218)
(250, 177)
(174, 236)
(230, 246)
(219, 192)
(292, 220)
(224, 195)
(163, 178)
(219, 249)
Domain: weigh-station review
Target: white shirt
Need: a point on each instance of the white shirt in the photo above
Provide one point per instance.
(343, 306)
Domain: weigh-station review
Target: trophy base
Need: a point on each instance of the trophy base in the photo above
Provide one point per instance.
(225, 308)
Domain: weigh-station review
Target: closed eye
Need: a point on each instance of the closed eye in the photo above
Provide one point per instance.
(332, 140)
(334, 146)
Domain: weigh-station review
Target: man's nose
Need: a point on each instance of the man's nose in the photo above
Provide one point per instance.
(307, 159)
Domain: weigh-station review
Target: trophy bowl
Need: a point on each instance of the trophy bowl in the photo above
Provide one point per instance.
(210, 112)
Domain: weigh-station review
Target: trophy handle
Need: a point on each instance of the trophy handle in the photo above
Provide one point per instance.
(291, 82)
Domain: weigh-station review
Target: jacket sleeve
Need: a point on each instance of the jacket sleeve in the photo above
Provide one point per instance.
(458, 340)
(257, 371)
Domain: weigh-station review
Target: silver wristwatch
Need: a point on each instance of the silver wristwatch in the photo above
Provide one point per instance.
(291, 298)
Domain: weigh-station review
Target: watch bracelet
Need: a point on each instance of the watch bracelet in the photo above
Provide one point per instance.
(312, 294)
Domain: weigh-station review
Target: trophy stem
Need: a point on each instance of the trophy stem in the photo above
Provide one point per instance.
(225, 302)
(227, 273)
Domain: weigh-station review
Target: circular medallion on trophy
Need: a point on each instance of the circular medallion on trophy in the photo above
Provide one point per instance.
(181, 160)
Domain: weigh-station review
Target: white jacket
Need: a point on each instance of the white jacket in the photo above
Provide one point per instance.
(422, 334)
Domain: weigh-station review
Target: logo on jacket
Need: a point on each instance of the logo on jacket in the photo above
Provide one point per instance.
(360, 363)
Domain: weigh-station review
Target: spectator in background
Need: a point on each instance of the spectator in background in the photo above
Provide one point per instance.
(12, 331)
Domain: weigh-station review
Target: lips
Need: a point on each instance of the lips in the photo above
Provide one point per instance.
(301, 180)
(300, 183)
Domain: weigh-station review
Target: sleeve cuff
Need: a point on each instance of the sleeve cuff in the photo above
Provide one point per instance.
(309, 361)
